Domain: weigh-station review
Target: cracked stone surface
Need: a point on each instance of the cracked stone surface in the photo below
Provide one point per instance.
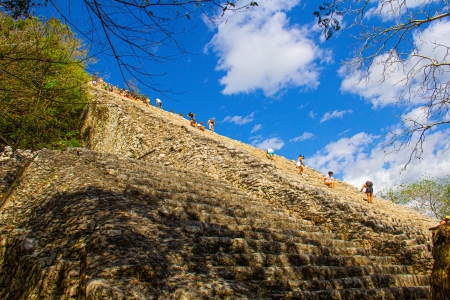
(166, 211)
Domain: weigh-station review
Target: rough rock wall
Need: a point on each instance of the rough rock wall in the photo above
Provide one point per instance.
(440, 277)
(165, 211)
(157, 232)
(121, 126)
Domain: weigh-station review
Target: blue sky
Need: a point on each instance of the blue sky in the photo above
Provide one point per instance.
(269, 79)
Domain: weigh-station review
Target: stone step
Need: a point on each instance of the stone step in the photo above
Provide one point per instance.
(244, 273)
(392, 293)
(287, 234)
(215, 234)
(246, 205)
(214, 205)
(287, 260)
(244, 215)
(365, 282)
(240, 245)
(383, 260)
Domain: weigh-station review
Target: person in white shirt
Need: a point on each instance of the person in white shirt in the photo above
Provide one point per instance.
(329, 180)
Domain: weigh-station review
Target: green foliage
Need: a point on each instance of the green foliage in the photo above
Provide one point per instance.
(19, 8)
(42, 84)
(429, 195)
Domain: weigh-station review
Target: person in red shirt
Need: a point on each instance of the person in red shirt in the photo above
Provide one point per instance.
(446, 221)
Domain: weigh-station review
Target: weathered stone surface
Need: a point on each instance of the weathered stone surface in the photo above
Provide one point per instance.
(167, 211)
(440, 277)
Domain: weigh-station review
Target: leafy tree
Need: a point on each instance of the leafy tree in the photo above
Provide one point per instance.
(19, 8)
(428, 195)
(388, 37)
(131, 32)
(42, 83)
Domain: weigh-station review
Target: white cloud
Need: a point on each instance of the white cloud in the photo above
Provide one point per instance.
(392, 9)
(261, 50)
(388, 75)
(303, 137)
(274, 143)
(239, 120)
(256, 137)
(361, 157)
(256, 128)
(312, 115)
(335, 114)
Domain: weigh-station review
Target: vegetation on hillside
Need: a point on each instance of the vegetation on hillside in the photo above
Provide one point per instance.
(42, 83)
(131, 33)
(428, 195)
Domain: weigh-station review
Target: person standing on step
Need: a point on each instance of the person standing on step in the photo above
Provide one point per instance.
(368, 185)
(211, 124)
(159, 103)
(329, 180)
(191, 115)
(300, 164)
(270, 154)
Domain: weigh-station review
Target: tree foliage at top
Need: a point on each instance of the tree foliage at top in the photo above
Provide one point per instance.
(428, 195)
(388, 37)
(20, 8)
(133, 32)
(42, 82)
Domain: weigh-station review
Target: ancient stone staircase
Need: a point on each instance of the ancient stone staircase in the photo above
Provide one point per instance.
(165, 211)
(154, 231)
(121, 126)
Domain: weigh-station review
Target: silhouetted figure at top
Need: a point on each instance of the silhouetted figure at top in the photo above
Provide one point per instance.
(211, 124)
(191, 115)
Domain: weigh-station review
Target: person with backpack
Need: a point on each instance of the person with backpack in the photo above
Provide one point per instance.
(368, 185)
(211, 124)
(300, 164)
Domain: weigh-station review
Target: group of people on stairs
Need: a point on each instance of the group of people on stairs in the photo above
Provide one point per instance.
(193, 122)
(328, 180)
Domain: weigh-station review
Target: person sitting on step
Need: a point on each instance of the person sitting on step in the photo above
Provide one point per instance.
(329, 180)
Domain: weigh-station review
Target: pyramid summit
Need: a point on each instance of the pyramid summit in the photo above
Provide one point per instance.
(162, 210)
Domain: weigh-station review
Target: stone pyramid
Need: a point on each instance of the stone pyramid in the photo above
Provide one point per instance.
(165, 211)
